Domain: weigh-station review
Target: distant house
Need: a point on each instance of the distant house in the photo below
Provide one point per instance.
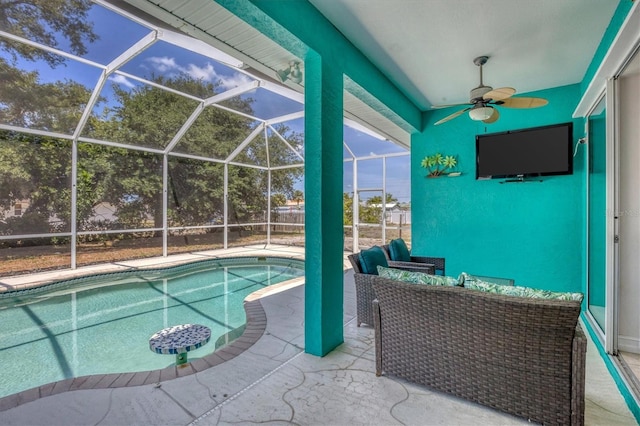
(387, 207)
(395, 212)
(289, 208)
(17, 210)
(104, 212)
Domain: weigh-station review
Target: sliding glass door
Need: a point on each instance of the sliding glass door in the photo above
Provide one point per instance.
(597, 213)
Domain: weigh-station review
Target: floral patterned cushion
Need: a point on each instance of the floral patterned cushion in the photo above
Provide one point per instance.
(468, 278)
(509, 290)
(417, 277)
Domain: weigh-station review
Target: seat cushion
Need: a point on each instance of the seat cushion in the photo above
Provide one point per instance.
(398, 251)
(371, 258)
(518, 291)
(496, 280)
(412, 277)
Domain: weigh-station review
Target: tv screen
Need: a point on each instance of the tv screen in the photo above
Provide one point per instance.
(539, 151)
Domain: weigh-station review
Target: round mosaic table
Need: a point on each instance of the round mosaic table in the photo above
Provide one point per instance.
(179, 339)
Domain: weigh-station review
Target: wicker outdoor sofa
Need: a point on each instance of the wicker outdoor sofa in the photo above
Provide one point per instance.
(520, 355)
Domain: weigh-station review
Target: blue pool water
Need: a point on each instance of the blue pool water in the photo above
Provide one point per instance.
(102, 324)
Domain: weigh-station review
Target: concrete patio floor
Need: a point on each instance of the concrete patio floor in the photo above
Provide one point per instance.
(275, 382)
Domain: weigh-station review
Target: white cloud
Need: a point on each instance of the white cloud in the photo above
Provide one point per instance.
(163, 64)
(169, 66)
(206, 73)
(234, 81)
(121, 79)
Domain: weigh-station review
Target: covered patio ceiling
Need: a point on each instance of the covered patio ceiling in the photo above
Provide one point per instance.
(426, 48)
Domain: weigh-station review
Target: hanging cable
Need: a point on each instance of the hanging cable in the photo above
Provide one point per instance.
(581, 141)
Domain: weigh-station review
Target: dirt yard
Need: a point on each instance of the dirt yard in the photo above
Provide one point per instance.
(26, 260)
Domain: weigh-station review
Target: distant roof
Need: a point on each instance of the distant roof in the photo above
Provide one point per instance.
(386, 206)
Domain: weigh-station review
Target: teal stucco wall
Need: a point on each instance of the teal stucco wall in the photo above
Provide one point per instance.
(531, 232)
(619, 16)
(328, 57)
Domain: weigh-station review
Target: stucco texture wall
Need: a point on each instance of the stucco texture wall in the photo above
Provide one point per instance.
(531, 232)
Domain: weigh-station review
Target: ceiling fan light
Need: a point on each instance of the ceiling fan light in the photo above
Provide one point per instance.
(481, 113)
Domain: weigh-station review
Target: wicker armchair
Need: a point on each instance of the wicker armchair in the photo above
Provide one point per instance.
(364, 290)
(519, 355)
(438, 262)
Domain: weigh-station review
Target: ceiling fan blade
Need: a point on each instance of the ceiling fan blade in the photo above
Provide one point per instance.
(452, 116)
(523, 102)
(494, 117)
(499, 94)
(448, 105)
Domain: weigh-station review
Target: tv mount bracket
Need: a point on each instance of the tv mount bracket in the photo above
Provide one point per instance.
(520, 179)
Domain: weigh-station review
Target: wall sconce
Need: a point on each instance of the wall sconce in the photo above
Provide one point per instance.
(292, 73)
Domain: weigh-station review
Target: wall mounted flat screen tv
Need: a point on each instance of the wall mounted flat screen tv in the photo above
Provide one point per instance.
(539, 151)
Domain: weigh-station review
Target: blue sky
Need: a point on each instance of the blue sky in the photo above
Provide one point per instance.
(165, 59)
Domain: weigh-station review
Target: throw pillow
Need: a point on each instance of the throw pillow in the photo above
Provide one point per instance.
(417, 277)
(371, 258)
(398, 251)
(502, 281)
(518, 291)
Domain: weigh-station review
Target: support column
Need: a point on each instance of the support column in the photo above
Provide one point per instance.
(323, 206)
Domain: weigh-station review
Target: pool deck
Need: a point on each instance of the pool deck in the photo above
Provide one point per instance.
(21, 282)
(271, 379)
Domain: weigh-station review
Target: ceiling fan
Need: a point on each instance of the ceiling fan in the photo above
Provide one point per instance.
(483, 100)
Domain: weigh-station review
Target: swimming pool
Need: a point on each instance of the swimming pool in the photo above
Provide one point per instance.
(102, 324)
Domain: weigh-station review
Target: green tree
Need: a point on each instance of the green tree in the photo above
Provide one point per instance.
(370, 214)
(26, 102)
(39, 168)
(377, 200)
(279, 154)
(33, 167)
(150, 116)
(298, 197)
(278, 200)
(347, 209)
(45, 22)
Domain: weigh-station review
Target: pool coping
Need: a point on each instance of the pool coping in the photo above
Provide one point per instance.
(256, 325)
(9, 290)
